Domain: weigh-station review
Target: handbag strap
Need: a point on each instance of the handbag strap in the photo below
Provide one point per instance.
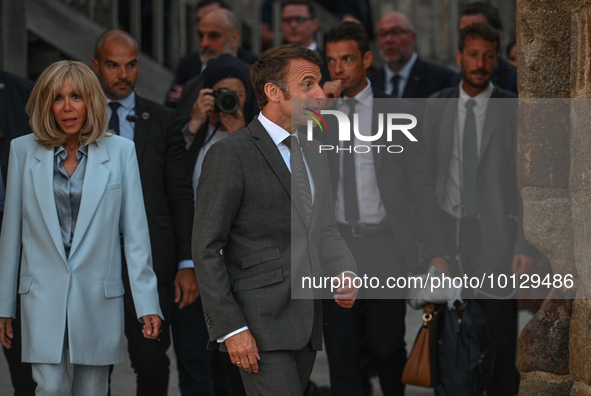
(428, 315)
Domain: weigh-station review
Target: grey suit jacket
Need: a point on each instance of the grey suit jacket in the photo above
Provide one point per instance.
(245, 206)
(498, 196)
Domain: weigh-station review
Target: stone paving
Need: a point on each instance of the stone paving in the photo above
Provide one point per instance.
(123, 381)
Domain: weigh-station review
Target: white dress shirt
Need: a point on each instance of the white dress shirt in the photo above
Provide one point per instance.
(404, 74)
(371, 207)
(452, 203)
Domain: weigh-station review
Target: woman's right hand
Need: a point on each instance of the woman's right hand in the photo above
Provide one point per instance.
(6, 332)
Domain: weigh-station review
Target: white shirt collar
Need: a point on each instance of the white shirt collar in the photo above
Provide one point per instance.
(127, 103)
(313, 46)
(405, 71)
(481, 98)
(277, 133)
(364, 96)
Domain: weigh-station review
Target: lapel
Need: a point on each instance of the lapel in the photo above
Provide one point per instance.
(376, 109)
(448, 127)
(95, 181)
(271, 153)
(490, 122)
(142, 125)
(414, 80)
(269, 150)
(42, 174)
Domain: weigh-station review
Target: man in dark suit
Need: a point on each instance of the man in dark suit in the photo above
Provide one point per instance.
(263, 220)
(404, 74)
(167, 197)
(505, 74)
(375, 194)
(14, 93)
(192, 65)
(299, 25)
(471, 142)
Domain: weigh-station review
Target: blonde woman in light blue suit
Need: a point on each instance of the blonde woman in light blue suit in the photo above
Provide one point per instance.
(72, 190)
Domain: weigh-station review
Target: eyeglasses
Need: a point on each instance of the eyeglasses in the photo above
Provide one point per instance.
(297, 19)
(394, 32)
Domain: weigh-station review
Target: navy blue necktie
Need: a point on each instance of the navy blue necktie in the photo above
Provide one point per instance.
(469, 162)
(114, 121)
(395, 79)
(349, 176)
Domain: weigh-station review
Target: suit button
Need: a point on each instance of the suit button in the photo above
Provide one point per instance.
(307, 273)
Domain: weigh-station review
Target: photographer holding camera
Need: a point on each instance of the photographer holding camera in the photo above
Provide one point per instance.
(217, 112)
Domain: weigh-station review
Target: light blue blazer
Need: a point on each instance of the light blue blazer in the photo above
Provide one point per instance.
(80, 299)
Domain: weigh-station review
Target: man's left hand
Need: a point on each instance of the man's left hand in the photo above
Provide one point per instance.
(233, 122)
(522, 263)
(185, 285)
(347, 293)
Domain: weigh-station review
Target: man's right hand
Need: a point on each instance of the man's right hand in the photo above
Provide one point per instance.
(202, 108)
(6, 332)
(243, 351)
(333, 89)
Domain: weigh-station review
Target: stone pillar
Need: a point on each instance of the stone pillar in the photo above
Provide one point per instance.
(554, 168)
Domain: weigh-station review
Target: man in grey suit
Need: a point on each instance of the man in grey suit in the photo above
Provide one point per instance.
(471, 143)
(270, 234)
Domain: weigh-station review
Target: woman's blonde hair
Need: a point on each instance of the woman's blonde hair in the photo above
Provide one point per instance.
(86, 84)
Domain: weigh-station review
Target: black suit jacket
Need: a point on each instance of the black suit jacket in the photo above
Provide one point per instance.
(424, 80)
(167, 188)
(14, 122)
(407, 189)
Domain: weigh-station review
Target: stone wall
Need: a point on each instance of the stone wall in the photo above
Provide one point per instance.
(554, 163)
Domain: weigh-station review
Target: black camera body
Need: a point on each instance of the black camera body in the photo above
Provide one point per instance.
(226, 101)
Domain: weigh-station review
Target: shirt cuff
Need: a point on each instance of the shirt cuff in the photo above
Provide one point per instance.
(186, 264)
(224, 338)
(350, 272)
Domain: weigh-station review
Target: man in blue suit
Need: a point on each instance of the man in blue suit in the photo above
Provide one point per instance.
(404, 74)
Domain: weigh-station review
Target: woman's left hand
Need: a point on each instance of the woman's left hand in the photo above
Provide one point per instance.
(152, 325)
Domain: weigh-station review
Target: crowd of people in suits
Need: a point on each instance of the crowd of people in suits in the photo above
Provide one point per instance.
(209, 190)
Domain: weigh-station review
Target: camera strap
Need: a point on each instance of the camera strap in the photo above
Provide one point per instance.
(213, 133)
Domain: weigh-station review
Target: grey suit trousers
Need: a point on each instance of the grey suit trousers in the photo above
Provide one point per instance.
(284, 373)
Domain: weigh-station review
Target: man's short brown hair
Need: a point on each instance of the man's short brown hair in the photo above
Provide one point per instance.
(273, 65)
(481, 30)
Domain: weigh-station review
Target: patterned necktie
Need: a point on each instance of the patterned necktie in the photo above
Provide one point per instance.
(114, 121)
(349, 177)
(395, 79)
(299, 175)
(469, 162)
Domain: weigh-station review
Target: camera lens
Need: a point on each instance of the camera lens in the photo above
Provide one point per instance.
(228, 102)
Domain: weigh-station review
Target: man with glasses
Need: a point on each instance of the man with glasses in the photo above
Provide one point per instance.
(191, 65)
(299, 25)
(404, 74)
